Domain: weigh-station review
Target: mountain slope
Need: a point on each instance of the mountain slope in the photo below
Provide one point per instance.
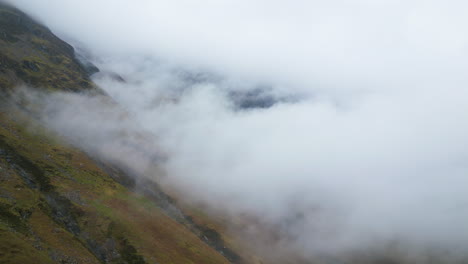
(57, 203)
(31, 54)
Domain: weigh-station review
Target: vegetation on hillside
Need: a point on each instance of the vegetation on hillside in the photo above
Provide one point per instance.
(58, 204)
(31, 54)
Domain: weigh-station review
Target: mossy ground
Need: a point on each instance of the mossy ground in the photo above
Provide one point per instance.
(31, 54)
(59, 206)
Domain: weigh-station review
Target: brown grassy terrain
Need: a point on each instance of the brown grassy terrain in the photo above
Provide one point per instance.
(56, 204)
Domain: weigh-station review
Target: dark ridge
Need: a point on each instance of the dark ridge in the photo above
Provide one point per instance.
(256, 98)
(261, 97)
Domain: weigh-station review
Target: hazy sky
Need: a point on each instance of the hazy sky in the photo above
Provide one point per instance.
(378, 147)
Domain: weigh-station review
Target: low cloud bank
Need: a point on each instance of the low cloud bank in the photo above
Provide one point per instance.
(388, 167)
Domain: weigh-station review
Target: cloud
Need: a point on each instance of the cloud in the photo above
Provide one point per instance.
(374, 150)
(309, 45)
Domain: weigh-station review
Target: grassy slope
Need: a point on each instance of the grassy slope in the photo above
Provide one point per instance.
(31, 54)
(57, 205)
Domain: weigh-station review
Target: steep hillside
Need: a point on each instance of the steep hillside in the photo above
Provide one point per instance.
(58, 204)
(31, 54)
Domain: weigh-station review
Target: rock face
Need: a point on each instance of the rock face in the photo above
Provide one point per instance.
(58, 204)
(31, 54)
